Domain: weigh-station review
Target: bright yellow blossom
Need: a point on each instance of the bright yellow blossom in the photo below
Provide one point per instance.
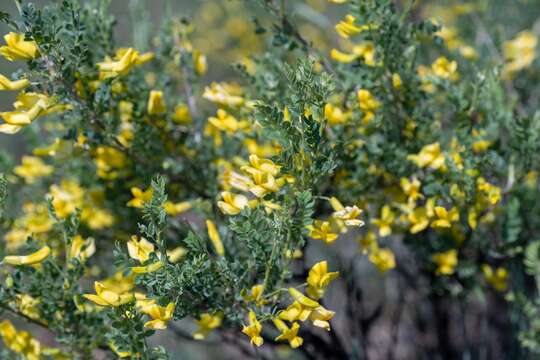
(429, 156)
(156, 103)
(123, 62)
(261, 165)
(444, 68)
(213, 234)
(7, 84)
(82, 249)
(498, 278)
(147, 268)
(383, 259)
(226, 122)
(160, 315)
(20, 342)
(318, 279)
(181, 114)
(349, 216)
(289, 334)
(199, 62)
(255, 295)
(66, 198)
(519, 53)
(174, 209)
(140, 197)
(17, 48)
(31, 259)
(446, 262)
(253, 330)
(232, 204)
(140, 249)
(320, 230)
(109, 296)
(368, 104)
(206, 324)
(224, 94)
(384, 223)
(445, 218)
(32, 168)
(347, 27)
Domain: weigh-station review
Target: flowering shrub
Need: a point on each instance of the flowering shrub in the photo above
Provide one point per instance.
(368, 192)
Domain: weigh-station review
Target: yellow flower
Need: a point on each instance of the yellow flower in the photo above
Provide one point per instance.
(258, 165)
(224, 94)
(320, 230)
(349, 215)
(232, 204)
(140, 197)
(148, 268)
(347, 27)
(420, 217)
(7, 84)
(446, 262)
(429, 156)
(383, 259)
(288, 334)
(199, 62)
(396, 81)
(302, 299)
(174, 209)
(66, 198)
(497, 278)
(368, 242)
(411, 188)
(226, 122)
(213, 234)
(140, 249)
(109, 296)
(176, 254)
(32, 168)
(366, 51)
(384, 223)
(318, 279)
(368, 104)
(156, 104)
(264, 183)
(295, 312)
(444, 68)
(17, 48)
(32, 259)
(493, 192)
(445, 218)
(255, 295)
(82, 249)
(109, 162)
(28, 306)
(118, 352)
(20, 342)
(335, 115)
(124, 61)
(321, 317)
(253, 330)
(160, 315)
(519, 53)
(206, 324)
(181, 114)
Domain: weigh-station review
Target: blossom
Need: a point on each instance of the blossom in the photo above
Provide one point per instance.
(206, 324)
(17, 48)
(7, 84)
(226, 122)
(140, 197)
(140, 249)
(160, 315)
(411, 188)
(255, 295)
(383, 259)
(257, 164)
(519, 53)
(429, 156)
(335, 115)
(253, 330)
(444, 68)
(384, 223)
(32, 168)
(199, 62)
(288, 334)
(445, 217)
(232, 204)
(320, 317)
(349, 215)
(174, 209)
(347, 27)
(181, 114)
(365, 51)
(446, 262)
(106, 296)
(318, 279)
(31, 259)
(497, 278)
(368, 104)
(66, 198)
(224, 94)
(156, 104)
(213, 234)
(123, 62)
(320, 230)
(20, 342)
(81, 249)
(148, 268)
(176, 254)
